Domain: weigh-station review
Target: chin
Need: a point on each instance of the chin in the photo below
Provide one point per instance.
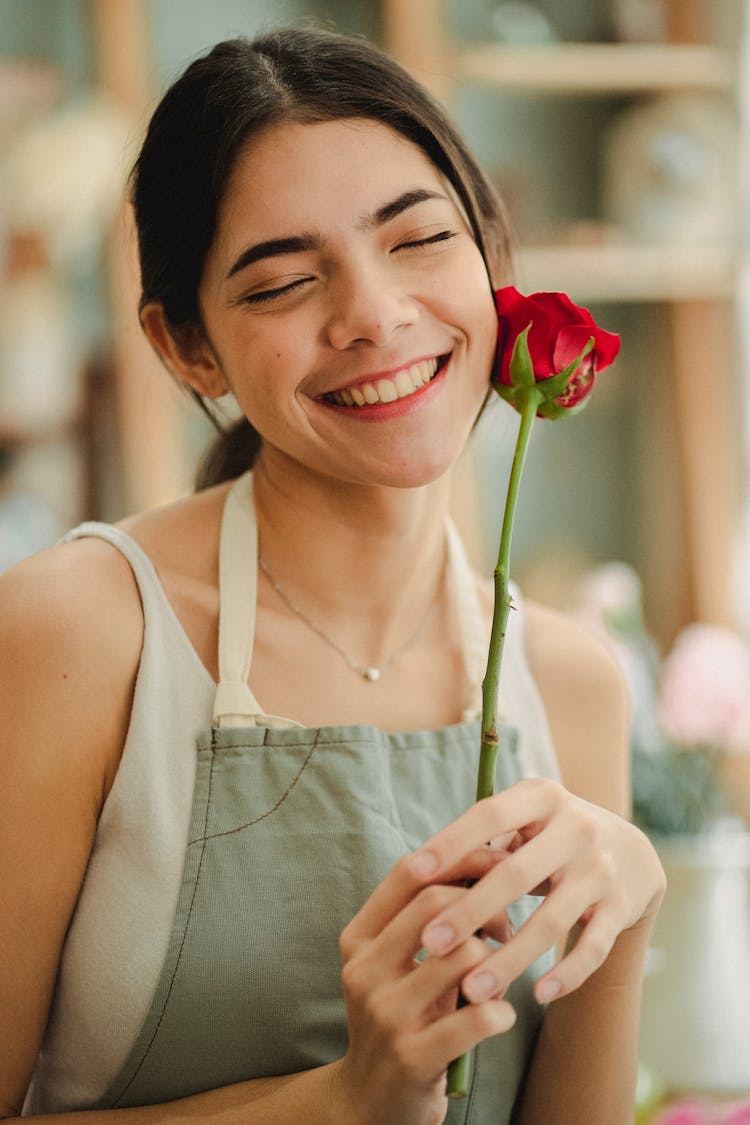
(417, 474)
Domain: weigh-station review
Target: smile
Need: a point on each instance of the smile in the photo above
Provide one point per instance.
(403, 384)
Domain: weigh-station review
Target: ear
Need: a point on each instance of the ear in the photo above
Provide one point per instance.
(185, 352)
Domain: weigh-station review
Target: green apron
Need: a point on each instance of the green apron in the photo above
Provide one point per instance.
(291, 830)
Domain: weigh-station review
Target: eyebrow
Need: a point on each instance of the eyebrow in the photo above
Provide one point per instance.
(300, 243)
(274, 248)
(403, 203)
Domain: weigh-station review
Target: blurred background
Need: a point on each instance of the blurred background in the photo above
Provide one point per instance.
(617, 131)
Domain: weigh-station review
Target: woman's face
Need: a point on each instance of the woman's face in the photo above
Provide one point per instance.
(347, 304)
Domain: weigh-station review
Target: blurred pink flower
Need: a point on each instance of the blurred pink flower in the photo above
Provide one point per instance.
(704, 697)
(690, 1112)
(736, 1115)
(685, 1113)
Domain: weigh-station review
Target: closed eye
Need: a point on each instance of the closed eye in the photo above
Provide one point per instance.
(415, 243)
(272, 294)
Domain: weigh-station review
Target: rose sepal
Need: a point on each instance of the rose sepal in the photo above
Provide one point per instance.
(521, 369)
(556, 385)
(523, 379)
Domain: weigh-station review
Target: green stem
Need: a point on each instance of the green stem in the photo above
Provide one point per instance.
(459, 1069)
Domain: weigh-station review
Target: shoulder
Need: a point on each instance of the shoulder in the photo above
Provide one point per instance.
(69, 596)
(565, 659)
(586, 700)
(71, 631)
(182, 537)
(565, 656)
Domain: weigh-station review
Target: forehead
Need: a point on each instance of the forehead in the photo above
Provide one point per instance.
(294, 173)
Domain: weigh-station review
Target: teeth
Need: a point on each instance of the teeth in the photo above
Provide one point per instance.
(405, 383)
(386, 390)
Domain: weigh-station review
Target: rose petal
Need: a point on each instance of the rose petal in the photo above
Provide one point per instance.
(558, 333)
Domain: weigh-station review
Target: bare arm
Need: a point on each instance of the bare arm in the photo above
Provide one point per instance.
(70, 639)
(584, 1066)
(288, 1100)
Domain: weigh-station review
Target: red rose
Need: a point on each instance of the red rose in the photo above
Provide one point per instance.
(563, 348)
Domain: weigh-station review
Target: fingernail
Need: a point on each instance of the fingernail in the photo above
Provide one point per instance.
(548, 990)
(423, 864)
(508, 931)
(479, 987)
(438, 938)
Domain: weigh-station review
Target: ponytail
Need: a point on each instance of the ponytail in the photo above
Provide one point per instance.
(232, 452)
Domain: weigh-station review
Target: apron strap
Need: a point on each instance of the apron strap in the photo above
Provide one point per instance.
(471, 620)
(234, 703)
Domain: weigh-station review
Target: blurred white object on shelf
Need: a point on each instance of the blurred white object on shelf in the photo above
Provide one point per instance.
(670, 171)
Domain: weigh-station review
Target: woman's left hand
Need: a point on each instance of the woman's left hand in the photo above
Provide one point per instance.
(596, 872)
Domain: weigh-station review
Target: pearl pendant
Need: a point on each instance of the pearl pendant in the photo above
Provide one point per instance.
(372, 674)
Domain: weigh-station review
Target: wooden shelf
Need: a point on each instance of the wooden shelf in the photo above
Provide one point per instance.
(594, 68)
(630, 273)
(685, 555)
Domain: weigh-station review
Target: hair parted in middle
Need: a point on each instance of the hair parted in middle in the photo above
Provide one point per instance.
(208, 116)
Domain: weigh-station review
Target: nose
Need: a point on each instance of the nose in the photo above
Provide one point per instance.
(368, 306)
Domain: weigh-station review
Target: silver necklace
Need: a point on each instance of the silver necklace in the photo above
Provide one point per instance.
(371, 673)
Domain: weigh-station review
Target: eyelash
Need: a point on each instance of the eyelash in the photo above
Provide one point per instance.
(271, 294)
(441, 236)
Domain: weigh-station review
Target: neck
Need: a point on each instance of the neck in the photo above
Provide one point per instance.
(373, 556)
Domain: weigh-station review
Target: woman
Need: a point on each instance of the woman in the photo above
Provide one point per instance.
(315, 239)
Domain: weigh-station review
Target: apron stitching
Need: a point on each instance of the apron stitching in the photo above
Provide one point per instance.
(150, 1043)
(413, 739)
(269, 812)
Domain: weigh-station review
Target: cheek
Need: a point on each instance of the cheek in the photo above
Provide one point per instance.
(485, 317)
(480, 300)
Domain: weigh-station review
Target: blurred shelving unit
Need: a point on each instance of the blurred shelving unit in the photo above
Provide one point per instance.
(87, 430)
(691, 513)
(595, 68)
(36, 443)
(154, 456)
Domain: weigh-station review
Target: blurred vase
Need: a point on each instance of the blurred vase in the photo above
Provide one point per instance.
(695, 1024)
(40, 360)
(670, 170)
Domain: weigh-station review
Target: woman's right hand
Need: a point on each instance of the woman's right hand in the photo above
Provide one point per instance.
(404, 1025)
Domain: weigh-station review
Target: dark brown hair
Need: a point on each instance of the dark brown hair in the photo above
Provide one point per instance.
(206, 118)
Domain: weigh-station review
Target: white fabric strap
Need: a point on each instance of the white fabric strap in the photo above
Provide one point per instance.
(234, 703)
(471, 621)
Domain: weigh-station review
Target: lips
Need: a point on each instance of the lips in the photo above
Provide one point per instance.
(404, 383)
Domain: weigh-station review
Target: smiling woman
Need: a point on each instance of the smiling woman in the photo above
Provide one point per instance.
(243, 875)
(319, 285)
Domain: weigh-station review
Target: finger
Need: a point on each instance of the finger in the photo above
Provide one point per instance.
(391, 953)
(500, 928)
(589, 953)
(473, 866)
(416, 997)
(540, 933)
(404, 881)
(437, 1045)
(520, 807)
(517, 875)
